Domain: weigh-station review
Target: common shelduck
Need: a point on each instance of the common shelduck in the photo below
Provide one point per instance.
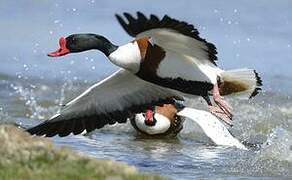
(167, 60)
(168, 120)
(159, 121)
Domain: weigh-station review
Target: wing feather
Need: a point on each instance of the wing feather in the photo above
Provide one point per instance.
(170, 34)
(110, 101)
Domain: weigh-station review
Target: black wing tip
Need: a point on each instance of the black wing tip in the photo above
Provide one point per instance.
(47, 130)
(255, 92)
(259, 83)
(64, 127)
(118, 16)
(258, 78)
(40, 130)
(143, 23)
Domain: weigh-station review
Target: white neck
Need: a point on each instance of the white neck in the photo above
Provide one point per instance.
(127, 56)
(161, 126)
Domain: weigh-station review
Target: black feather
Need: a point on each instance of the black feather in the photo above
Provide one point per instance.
(142, 23)
(63, 127)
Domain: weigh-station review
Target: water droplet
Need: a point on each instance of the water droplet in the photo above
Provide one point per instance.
(32, 86)
(15, 58)
(216, 11)
(248, 39)
(51, 32)
(93, 67)
(288, 45)
(57, 21)
(229, 22)
(235, 11)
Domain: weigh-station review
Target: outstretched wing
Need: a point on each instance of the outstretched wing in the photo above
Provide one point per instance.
(112, 100)
(212, 127)
(171, 34)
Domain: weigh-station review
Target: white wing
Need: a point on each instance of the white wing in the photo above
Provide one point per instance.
(182, 44)
(212, 127)
(112, 100)
(171, 34)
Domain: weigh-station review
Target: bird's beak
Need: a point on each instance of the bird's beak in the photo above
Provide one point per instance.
(63, 50)
(149, 116)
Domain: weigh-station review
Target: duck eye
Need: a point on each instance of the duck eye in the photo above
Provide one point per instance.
(73, 41)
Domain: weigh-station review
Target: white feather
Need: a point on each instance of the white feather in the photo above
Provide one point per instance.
(186, 57)
(127, 56)
(212, 127)
(171, 40)
(189, 67)
(246, 77)
(161, 126)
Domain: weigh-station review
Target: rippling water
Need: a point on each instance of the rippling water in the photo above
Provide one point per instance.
(246, 34)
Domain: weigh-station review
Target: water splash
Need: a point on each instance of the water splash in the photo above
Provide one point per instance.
(278, 146)
(28, 95)
(274, 158)
(38, 107)
(66, 86)
(4, 117)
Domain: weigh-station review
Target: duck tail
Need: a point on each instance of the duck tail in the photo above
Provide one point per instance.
(243, 81)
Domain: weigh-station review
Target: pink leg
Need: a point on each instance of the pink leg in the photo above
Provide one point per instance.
(218, 112)
(223, 105)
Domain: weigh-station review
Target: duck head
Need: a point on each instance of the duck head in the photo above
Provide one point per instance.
(149, 118)
(82, 42)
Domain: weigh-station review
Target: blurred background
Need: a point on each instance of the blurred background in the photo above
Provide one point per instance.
(247, 34)
(253, 34)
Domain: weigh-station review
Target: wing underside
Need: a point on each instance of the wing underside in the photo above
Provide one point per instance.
(169, 33)
(110, 101)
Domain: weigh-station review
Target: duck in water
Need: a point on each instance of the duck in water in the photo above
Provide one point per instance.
(158, 121)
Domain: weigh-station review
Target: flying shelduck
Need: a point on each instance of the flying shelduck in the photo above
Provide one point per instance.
(166, 61)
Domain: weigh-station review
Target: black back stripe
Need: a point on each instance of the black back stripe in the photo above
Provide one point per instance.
(197, 88)
(135, 26)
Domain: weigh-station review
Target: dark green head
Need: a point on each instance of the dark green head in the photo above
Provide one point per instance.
(82, 42)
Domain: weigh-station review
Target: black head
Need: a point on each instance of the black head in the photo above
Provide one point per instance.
(82, 42)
